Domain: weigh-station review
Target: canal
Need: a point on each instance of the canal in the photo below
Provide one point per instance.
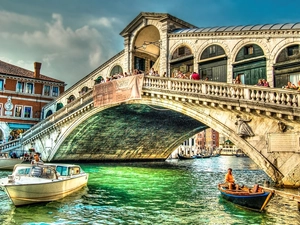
(171, 192)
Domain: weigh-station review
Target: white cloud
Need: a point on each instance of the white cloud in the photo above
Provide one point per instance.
(10, 18)
(105, 22)
(65, 52)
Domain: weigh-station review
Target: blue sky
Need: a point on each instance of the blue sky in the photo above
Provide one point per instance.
(71, 38)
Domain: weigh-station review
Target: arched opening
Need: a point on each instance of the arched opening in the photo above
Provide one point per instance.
(182, 61)
(146, 50)
(116, 70)
(83, 90)
(71, 98)
(213, 64)
(287, 66)
(49, 113)
(59, 105)
(250, 64)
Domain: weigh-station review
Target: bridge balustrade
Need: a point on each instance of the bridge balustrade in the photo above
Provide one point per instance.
(222, 91)
(10, 145)
(257, 94)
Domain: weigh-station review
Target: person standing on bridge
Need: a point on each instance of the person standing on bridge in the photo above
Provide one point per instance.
(195, 76)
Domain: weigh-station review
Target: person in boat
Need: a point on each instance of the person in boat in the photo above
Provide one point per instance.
(229, 180)
(37, 159)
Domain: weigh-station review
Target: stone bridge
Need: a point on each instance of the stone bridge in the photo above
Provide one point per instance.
(169, 112)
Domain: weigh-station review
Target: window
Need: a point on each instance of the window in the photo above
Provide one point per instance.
(29, 88)
(47, 90)
(181, 51)
(18, 111)
(139, 63)
(20, 86)
(55, 91)
(71, 98)
(1, 107)
(116, 70)
(249, 50)
(1, 84)
(212, 50)
(293, 50)
(27, 112)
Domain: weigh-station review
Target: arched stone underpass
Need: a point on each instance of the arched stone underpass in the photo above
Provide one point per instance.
(79, 143)
(128, 132)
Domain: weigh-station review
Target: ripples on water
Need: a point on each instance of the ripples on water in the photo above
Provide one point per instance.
(173, 192)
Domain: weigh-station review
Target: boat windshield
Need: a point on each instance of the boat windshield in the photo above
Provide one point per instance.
(21, 171)
(67, 170)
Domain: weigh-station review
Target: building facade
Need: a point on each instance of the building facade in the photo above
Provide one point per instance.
(23, 95)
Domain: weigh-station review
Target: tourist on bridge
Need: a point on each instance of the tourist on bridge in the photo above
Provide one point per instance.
(195, 76)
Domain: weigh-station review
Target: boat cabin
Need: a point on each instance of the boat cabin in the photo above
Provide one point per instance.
(48, 171)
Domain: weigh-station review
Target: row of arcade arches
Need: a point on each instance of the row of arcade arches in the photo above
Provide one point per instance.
(249, 64)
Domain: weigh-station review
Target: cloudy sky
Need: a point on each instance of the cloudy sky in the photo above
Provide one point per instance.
(71, 38)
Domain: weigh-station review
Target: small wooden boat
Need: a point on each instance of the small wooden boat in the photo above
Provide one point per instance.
(37, 183)
(9, 163)
(185, 157)
(251, 198)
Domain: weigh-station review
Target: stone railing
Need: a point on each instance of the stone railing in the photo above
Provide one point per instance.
(11, 145)
(258, 94)
(60, 115)
(222, 92)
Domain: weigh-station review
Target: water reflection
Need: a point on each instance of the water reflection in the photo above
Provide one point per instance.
(174, 192)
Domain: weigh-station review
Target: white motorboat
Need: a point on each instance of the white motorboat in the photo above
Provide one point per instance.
(36, 183)
(9, 163)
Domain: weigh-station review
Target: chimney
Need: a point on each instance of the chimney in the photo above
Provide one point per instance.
(37, 69)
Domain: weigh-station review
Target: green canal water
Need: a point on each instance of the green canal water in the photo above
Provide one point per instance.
(171, 192)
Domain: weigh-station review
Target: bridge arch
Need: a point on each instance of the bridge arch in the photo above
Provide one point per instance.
(206, 116)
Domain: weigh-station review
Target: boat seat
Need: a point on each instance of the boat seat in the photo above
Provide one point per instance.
(255, 188)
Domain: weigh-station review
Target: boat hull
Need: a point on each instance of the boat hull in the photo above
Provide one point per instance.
(186, 157)
(255, 201)
(9, 163)
(24, 194)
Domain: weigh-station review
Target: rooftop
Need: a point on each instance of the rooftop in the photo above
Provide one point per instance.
(278, 26)
(9, 69)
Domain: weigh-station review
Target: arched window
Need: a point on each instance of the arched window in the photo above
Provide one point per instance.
(49, 113)
(116, 70)
(250, 64)
(287, 66)
(71, 98)
(59, 105)
(84, 90)
(213, 64)
(182, 60)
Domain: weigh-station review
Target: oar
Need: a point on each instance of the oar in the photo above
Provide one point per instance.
(267, 200)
